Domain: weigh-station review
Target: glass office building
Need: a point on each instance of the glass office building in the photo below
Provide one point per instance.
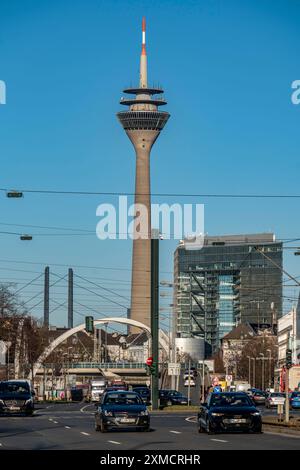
(233, 279)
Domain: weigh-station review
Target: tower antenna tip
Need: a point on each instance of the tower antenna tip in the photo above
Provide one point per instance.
(144, 24)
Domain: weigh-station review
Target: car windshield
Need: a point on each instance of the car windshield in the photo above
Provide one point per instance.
(122, 399)
(7, 388)
(295, 394)
(277, 395)
(230, 400)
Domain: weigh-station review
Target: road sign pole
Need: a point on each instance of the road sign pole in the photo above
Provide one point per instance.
(189, 385)
(203, 381)
(287, 402)
(154, 317)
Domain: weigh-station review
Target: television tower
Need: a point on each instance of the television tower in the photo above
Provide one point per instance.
(142, 122)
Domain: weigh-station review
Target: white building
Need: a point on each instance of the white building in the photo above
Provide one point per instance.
(289, 336)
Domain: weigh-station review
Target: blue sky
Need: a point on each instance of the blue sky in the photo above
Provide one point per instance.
(226, 67)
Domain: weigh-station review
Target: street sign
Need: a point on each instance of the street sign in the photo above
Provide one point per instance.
(228, 379)
(173, 368)
(149, 361)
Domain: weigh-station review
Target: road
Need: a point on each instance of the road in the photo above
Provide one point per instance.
(71, 426)
(195, 392)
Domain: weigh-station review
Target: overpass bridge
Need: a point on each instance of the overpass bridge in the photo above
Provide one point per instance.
(131, 372)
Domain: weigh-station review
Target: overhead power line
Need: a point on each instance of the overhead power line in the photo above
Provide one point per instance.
(128, 193)
(101, 287)
(100, 295)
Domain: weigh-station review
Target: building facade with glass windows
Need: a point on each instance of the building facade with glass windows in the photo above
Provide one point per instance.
(232, 279)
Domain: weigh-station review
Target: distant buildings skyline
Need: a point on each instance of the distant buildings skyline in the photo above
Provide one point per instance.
(225, 283)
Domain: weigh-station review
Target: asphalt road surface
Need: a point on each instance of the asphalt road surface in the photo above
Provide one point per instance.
(71, 426)
(195, 392)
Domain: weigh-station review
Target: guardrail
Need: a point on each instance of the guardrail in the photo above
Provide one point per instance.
(105, 365)
(115, 365)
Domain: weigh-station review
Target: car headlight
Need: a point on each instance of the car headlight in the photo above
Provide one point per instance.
(255, 413)
(144, 413)
(217, 414)
(27, 402)
(108, 413)
(1, 402)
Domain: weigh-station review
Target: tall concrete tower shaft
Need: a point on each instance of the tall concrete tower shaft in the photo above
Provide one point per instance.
(142, 122)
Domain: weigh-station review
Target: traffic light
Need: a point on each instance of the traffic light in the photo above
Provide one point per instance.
(150, 369)
(288, 358)
(150, 366)
(89, 324)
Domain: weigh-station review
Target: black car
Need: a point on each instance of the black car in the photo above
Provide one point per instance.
(144, 393)
(121, 409)
(229, 411)
(171, 397)
(16, 397)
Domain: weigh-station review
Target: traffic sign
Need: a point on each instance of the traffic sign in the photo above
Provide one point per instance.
(228, 379)
(149, 361)
(173, 368)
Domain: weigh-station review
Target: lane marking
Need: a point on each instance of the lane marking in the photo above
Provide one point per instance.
(67, 427)
(85, 433)
(218, 440)
(191, 419)
(114, 442)
(293, 436)
(176, 432)
(84, 407)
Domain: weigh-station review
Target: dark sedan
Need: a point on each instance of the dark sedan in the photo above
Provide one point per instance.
(229, 411)
(16, 397)
(144, 393)
(171, 397)
(121, 409)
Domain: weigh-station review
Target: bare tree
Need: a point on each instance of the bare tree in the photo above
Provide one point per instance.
(262, 349)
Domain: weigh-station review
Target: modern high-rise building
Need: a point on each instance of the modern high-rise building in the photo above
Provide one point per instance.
(233, 279)
(142, 122)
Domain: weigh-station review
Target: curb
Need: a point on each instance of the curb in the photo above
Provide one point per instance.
(277, 428)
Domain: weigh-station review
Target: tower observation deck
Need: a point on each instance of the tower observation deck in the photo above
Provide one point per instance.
(142, 122)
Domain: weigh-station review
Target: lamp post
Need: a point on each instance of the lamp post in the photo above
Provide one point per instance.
(270, 369)
(262, 369)
(253, 359)
(8, 345)
(249, 370)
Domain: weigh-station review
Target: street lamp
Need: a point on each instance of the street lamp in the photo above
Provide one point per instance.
(249, 370)
(270, 370)
(262, 369)
(14, 194)
(253, 359)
